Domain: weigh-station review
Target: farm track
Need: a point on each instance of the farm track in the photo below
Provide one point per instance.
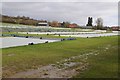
(66, 68)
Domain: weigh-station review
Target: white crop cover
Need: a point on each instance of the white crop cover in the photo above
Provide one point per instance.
(17, 41)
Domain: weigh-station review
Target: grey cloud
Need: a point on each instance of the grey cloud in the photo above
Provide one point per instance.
(64, 11)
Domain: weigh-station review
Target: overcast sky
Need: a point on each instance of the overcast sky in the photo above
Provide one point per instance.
(59, 0)
(74, 12)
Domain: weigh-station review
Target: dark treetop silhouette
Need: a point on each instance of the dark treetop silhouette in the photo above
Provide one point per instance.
(89, 21)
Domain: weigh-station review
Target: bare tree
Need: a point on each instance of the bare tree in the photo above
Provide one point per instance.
(65, 24)
(54, 24)
(99, 23)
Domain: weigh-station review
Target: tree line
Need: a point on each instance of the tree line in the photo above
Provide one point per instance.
(30, 21)
(19, 20)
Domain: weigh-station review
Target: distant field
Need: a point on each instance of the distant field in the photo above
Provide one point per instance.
(6, 27)
(10, 24)
(104, 65)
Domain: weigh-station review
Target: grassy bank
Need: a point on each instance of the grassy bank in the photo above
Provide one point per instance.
(22, 58)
